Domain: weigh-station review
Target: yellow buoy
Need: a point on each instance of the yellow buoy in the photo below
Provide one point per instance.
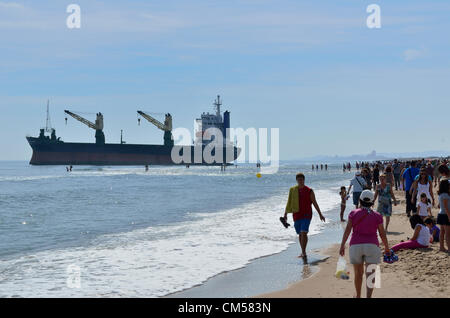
(258, 175)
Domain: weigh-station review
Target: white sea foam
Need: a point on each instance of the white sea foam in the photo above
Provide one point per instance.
(159, 260)
(28, 178)
(211, 171)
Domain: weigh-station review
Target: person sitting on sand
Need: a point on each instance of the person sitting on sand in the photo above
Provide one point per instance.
(385, 195)
(421, 237)
(424, 206)
(344, 198)
(299, 204)
(363, 224)
(434, 230)
(444, 214)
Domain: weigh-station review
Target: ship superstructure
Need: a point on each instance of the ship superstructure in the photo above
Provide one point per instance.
(209, 121)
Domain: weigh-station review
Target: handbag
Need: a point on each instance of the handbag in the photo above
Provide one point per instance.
(366, 187)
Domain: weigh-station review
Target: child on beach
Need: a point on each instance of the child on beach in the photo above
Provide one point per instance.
(434, 230)
(421, 237)
(424, 206)
(344, 198)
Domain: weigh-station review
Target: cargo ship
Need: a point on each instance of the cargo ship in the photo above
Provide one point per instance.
(51, 150)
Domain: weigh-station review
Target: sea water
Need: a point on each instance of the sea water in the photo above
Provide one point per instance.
(134, 233)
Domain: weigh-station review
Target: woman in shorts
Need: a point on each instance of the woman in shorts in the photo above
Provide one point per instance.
(385, 195)
(364, 224)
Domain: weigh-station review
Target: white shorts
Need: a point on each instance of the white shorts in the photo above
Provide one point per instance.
(365, 253)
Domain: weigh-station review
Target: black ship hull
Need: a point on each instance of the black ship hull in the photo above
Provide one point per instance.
(55, 152)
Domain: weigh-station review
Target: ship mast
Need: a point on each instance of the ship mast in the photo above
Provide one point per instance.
(48, 123)
(217, 105)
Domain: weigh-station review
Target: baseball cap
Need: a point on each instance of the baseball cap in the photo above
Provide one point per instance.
(367, 196)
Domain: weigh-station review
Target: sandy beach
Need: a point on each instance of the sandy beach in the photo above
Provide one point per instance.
(418, 273)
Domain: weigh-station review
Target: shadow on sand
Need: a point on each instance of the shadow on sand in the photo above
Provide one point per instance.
(395, 233)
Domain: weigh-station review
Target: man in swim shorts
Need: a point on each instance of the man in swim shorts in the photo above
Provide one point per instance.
(299, 204)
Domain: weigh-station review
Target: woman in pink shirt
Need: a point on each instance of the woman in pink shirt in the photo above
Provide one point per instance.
(364, 224)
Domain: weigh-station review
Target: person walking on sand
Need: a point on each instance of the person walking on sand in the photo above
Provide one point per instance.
(444, 171)
(443, 218)
(430, 171)
(408, 178)
(397, 168)
(344, 198)
(385, 195)
(358, 183)
(363, 224)
(389, 175)
(376, 175)
(365, 173)
(300, 201)
(436, 174)
(423, 184)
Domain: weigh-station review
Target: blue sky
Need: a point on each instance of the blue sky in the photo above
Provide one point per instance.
(311, 68)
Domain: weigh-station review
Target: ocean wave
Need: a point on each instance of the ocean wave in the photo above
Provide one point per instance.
(159, 260)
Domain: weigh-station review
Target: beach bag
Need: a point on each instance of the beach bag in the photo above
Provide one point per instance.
(341, 269)
(390, 258)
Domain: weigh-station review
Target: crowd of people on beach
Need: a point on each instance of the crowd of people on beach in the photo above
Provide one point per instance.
(375, 182)
(419, 181)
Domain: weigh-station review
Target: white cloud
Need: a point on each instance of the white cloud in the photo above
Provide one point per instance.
(414, 54)
(11, 5)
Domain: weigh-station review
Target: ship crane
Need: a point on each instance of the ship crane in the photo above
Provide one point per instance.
(166, 127)
(98, 126)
